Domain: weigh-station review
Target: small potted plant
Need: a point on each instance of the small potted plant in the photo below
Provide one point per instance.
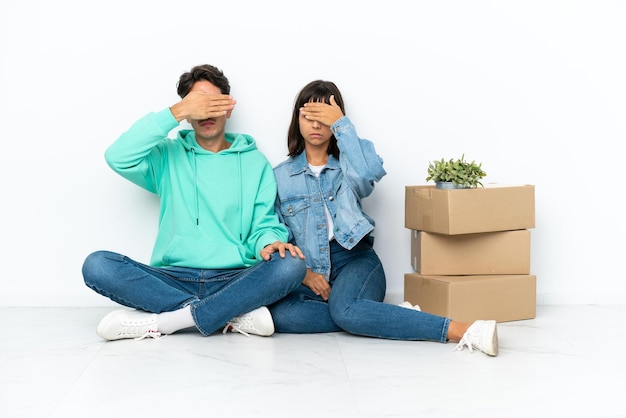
(455, 174)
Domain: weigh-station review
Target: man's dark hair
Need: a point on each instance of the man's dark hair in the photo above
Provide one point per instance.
(206, 72)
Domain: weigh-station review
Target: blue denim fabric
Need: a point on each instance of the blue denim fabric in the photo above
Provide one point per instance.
(356, 304)
(215, 296)
(341, 186)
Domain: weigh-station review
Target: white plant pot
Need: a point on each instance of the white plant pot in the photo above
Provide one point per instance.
(448, 185)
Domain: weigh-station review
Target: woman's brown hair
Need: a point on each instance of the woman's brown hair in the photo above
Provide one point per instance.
(315, 91)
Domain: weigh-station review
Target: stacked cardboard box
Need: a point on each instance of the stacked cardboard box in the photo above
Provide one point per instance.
(470, 249)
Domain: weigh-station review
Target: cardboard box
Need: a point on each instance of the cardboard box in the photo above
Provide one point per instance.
(468, 298)
(502, 252)
(465, 211)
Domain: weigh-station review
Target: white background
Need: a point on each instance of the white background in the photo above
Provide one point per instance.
(535, 90)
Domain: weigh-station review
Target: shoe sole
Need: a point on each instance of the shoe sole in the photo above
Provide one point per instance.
(493, 347)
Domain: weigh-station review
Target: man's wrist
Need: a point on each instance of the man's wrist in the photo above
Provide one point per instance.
(178, 112)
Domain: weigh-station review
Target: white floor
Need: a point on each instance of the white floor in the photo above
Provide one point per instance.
(568, 362)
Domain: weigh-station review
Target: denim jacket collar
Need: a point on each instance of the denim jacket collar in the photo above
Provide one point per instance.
(300, 164)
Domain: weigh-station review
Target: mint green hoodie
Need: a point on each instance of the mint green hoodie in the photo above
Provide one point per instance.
(217, 209)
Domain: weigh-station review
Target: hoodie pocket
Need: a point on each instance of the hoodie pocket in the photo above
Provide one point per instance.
(209, 254)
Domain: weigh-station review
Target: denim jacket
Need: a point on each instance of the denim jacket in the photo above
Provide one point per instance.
(341, 186)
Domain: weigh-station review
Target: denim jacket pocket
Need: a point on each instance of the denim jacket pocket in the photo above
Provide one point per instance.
(295, 211)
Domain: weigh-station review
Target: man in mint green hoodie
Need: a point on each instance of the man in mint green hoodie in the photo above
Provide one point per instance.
(220, 254)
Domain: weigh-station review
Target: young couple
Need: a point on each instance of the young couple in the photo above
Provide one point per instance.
(251, 249)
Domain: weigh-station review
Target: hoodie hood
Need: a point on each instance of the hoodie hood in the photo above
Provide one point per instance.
(238, 142)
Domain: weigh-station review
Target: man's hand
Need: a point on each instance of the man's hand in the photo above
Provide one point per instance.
(317, 283)
(199, 106)
(281, 247)
(324, 113)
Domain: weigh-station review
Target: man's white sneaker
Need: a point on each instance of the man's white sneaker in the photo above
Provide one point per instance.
(481, 335)
(123, 323)
(407, 304)
(258, 322)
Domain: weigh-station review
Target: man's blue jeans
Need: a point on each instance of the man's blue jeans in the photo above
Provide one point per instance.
(355, 304)
(214, 296)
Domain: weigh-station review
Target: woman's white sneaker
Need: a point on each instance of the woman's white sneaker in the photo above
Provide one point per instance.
(481, 335)
(407, 304)
(123, 323)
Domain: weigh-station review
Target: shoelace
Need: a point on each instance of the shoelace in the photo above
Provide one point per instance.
(236, 326)
(151, 334)
(465, 341)
(135, 328)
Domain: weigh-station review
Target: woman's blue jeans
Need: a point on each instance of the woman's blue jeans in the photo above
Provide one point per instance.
(215, 296)
(355, 304)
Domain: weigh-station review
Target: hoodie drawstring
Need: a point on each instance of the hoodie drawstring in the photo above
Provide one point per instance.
(195, 185)
(240, 196)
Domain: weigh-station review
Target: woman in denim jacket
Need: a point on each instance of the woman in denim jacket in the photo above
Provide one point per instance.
(320, 187)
